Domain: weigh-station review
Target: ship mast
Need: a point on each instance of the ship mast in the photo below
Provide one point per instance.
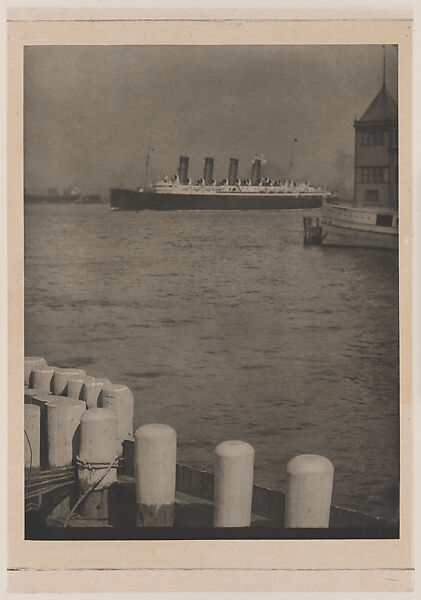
(148, 160)
(291, 170)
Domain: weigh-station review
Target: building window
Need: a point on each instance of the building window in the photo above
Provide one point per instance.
(372, 138)
(372, 197)
(384, 220)
(372, 174)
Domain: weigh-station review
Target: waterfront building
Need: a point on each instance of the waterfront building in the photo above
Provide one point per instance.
(376, 153)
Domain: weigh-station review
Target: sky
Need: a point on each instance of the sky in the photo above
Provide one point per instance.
(89, 111)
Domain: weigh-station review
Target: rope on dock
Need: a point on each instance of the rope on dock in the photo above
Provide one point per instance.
(30, 459)
(112, 464)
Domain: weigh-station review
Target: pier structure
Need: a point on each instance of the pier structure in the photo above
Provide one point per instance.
(85, 467)
(312, 231)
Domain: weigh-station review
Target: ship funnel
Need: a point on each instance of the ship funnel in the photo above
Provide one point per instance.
(208, 171)
(233, 172)
(183, 169)
(255, 171)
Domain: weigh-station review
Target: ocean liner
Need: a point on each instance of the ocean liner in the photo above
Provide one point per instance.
(256, 193)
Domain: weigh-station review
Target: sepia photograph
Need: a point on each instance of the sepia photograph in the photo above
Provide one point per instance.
(211, 291)
(210, 277)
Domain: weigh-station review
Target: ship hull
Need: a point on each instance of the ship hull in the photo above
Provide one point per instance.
(356, 227)
(121, 199)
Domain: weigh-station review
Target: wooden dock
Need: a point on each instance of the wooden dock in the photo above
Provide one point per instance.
(76, 489)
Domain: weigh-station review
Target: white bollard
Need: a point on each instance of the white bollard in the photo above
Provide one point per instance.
(41, 377)
(91, 390)
(32, 436)
(155, 465)
(31, 363)
(309, 491)
(119, 398)
(234, 463)
(63, 419)
(41, 400)
(29, 394)
(74, 386)
(98, 440)
(62, 376)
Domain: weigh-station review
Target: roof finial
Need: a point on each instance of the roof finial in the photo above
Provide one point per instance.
(384, 66)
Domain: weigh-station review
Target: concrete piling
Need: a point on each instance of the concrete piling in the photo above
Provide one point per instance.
(91, 390)
(74, 386)
(31, 363)
(309, 491)
(155, 469)
(119, 398)
(41, 377)
(96, 461)
(234, 463)
(63, 419)
(61, 378)
(32, 436)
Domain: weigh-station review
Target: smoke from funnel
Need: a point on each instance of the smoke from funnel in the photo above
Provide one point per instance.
(261, 158)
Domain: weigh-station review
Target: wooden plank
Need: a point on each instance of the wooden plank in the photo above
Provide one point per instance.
(186, 479)
(38, 476)
(48, 482)
(207, 485)
(277, 507)
(192, 512)
(178, 477)
(196, 483)
(346, 517)
(42, 489)
(122, 503)
(261, 501)
(128, 458)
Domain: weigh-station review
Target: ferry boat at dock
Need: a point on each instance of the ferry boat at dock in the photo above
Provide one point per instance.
(359, 226)
(372, 221)
(256, 193)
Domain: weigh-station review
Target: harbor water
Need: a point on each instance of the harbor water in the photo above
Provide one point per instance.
(225, 326)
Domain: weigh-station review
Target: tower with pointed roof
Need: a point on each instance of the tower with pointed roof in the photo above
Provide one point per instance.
(376, 152)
